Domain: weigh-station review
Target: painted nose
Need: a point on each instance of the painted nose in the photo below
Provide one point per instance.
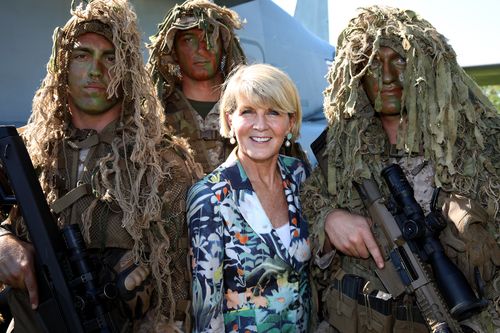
(203, 45)
(389, 74)
(95, 69)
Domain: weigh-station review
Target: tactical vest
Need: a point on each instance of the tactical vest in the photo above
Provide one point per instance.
(356, 300)
(76, 192)
(108, 237)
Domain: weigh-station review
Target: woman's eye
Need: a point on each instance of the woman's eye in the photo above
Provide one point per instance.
(274, 113)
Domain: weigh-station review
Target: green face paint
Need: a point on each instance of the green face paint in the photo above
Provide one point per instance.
(383, 84)
(89, 75)
(197, 60)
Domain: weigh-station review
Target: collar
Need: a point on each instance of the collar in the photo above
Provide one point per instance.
(253, 213)
(87, 138)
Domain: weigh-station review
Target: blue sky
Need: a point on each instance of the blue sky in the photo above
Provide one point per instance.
(472, 27)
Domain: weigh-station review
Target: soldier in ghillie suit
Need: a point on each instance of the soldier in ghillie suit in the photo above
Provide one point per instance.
(192, 53)
(96, 130)
(397, 95)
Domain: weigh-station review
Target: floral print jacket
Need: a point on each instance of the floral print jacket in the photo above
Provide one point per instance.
(244, 279)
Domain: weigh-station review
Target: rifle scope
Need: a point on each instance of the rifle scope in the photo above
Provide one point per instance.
(424, 231)
(89, 303)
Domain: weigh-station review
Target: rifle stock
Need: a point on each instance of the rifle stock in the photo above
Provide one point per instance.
(404, 271)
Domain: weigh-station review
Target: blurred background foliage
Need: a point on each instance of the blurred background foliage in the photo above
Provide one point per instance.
(493, 93)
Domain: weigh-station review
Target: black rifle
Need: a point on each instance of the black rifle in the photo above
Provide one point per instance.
(69, 299)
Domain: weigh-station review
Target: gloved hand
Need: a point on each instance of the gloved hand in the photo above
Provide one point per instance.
(134, 284)
(468, 240)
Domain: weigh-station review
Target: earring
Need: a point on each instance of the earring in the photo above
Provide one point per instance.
(232, 140)
(288, 138)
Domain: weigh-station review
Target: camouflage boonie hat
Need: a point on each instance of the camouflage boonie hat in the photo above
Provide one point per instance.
(94, 26)
(198, 19)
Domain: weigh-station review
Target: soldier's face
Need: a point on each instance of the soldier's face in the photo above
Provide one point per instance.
(193, 57)
(89, 75)
(392, 67)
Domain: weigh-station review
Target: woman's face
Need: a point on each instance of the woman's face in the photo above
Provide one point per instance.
(260, 131)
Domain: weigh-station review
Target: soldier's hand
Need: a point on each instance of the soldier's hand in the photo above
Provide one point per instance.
(135, 284)
(17, 266)
(351, 234)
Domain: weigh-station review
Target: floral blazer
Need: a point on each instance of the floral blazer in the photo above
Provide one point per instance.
(244, 279)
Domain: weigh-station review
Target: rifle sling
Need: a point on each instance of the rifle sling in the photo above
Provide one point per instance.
(71, 197)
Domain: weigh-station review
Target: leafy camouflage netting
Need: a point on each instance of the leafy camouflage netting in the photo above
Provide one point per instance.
(446, 115)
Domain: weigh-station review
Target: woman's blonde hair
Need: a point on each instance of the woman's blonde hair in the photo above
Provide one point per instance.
(264, 85)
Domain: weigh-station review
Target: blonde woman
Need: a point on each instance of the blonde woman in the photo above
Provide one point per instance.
(248, 237)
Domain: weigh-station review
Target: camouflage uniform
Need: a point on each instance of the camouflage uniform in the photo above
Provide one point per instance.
(218, 22)
(124, 186)
(108, 240)
(210, 149)
(448, 135)
(345, 313)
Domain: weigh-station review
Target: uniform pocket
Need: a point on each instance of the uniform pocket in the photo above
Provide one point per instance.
(375, 312)
(342, 303)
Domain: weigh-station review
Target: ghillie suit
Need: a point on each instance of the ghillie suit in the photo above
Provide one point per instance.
(448, 128)
(138, 171)
(216, 22)
(181, 114)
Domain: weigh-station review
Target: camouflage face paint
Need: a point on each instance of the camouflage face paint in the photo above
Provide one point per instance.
(196, 60)
(386, 72)
(89, 75)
